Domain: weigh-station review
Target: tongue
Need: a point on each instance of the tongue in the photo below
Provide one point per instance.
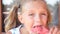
(40, 30)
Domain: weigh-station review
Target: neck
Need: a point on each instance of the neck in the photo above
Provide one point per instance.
(23, 30)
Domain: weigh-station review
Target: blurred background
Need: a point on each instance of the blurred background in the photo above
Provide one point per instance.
(6, 5)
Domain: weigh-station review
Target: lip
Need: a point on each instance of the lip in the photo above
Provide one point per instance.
(37, 26)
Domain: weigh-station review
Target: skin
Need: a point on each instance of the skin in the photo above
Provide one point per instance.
(34, 13)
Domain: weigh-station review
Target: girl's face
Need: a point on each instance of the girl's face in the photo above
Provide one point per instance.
(34, 13)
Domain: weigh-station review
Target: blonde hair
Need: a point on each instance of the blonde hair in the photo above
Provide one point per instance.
(10, 21)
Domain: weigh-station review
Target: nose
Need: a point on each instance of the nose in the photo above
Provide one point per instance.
(37, 20)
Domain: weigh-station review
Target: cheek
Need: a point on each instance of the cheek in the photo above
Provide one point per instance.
(44, 20)
(28, 22)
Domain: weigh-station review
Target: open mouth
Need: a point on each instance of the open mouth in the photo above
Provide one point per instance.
(37, 26)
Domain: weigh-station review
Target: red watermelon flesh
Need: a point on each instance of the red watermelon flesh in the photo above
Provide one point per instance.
(40, 29)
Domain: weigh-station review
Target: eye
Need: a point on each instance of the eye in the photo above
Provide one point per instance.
(31, 14)
(44, 15)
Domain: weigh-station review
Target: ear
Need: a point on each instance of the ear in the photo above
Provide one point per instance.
(20, 18)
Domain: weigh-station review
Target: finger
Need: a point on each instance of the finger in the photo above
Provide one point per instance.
(51, 30)
(55, 30)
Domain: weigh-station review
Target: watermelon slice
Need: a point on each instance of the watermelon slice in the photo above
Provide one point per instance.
(40, 29)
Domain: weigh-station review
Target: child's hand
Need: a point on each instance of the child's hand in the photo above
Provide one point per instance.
(54, 30)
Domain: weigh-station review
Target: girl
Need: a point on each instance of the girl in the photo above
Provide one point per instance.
(34, 17)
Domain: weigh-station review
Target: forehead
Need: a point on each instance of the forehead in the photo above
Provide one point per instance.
(35, 5)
